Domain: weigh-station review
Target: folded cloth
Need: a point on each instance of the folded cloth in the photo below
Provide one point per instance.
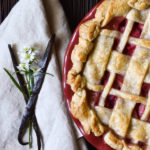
(30, 23)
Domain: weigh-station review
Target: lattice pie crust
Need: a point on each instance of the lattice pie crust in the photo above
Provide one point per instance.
(93, 55)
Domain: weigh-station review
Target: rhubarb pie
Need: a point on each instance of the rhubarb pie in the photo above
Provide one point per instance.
(112, 62)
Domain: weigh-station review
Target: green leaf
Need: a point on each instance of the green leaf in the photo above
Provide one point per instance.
(49, 74)
(19, 71)
(15, 82)
(32, 80)
(45, 74)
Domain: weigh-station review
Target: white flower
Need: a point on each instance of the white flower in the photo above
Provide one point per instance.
(23, 67)
(28, 60)
(26, 49)
(28, 55)
(31, 50)
(22, 56)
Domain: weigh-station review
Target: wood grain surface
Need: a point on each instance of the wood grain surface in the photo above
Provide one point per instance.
(75, 10)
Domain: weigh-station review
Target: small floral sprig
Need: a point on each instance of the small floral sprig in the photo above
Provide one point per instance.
(28, 60)
(29, 68)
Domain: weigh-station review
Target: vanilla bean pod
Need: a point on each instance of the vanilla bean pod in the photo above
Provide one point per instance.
(24, 88)
(30, 108)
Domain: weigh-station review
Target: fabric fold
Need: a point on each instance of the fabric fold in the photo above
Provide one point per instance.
(27, 25)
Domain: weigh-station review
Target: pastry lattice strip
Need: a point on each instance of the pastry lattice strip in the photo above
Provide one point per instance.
(98, 63)
(135, 75)
(138, 130)
(128, 86)
(120, 48)
(124, 39)
(138, 66)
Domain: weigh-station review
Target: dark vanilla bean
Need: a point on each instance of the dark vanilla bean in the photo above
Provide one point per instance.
(24, 88)
(30, 108)
(19, 76)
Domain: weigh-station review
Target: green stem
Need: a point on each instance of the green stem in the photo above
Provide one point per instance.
(27, 77)
(29, 84)
(29, 92)
(32, 80)
(15, 82)
(30, 87)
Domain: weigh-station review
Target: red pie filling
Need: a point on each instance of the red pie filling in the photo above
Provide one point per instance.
(119, 24)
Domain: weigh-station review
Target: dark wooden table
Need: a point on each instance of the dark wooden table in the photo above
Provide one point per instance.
(75, 10)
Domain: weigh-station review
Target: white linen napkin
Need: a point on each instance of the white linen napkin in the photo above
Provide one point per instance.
(28, 24)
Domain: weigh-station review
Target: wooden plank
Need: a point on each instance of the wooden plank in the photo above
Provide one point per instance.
(76, 9)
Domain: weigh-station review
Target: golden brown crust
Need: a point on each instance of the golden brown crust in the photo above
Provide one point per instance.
(113, 141)
(78, 57)
(81, 50)
(101, 11)
(137, 16)
(97, 62)
(79, 54)
(101, 59)
(92, 87)
(118, 144)
(139, 4)
(76, 81)
(130, 147)
(110, 9)
(89, 30)
(87, 117)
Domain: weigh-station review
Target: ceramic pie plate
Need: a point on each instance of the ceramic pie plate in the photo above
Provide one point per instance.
(119, 24)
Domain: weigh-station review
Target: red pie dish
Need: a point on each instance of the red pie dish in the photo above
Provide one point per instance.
(113, 75)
